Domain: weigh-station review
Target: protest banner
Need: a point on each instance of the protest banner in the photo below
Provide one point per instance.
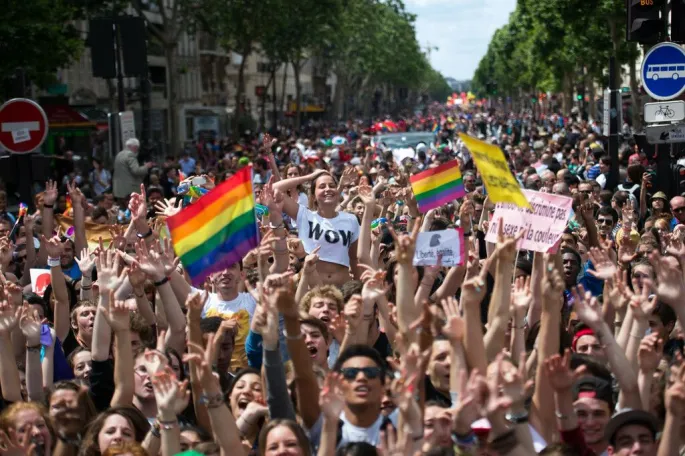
(448, 244)
(502, 186)
(544, 223)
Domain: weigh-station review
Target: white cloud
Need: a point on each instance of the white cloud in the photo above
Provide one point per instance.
(460, 29)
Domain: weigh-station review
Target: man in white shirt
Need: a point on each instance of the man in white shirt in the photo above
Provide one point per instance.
(229, 303)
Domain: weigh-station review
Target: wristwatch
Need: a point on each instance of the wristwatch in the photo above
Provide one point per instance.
(517, 418)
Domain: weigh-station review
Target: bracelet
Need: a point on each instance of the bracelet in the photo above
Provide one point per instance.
(275, 227)
(280, 251)
(212, 400)
(86, 287)
(33, 348)
(517, 418)
(161, 282)
(465, 440)
(468, 234)
(139, 296)
(144, 236)
(48, 206)
(54, 262)
(167, 425)
(523, 326)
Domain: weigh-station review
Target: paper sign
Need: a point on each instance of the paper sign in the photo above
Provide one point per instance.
(501, 184)
(40, 279)
(20, 136)
(545, 222)
(447, 243)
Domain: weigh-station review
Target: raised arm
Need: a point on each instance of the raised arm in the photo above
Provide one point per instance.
(675, 410)
(291, 207)
(78, 201)
(86, 263)
(9, 373)
(589, 312)
(54, 249)
(407, 310)
(368, 197)
(305, 380)
(49, 197)
(472, 294)
(30, 327)
(118, 317)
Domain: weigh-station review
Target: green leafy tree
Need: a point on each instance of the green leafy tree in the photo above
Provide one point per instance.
(37, 37)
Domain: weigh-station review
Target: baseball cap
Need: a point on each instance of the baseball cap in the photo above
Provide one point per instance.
(630, 416)
(593, 387)
(244, 161)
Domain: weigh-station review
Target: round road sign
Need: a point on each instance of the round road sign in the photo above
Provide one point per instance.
(23, 125)
(663, 71)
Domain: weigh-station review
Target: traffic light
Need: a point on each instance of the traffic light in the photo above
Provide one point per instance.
(579, 97)
(645, 21)
(678, 21)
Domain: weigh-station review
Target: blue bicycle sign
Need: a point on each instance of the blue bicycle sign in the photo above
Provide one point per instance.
(663, 71)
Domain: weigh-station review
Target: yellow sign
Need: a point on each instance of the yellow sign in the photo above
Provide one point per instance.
(500, 183)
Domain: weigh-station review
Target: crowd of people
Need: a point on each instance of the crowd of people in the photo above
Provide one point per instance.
(327, 339)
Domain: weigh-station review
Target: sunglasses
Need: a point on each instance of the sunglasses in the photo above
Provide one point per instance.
(604, 221)
(679, 209)
(350, 373)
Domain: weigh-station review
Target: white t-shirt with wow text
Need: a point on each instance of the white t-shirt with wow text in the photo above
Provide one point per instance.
(333, 235)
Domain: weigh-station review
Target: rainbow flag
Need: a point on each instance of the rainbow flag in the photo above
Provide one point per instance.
(217, 230)
(436, 127)
(437, 186)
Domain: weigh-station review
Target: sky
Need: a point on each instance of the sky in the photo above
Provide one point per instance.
(460, 29)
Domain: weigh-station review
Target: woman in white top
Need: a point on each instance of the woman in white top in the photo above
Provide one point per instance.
(322, 226)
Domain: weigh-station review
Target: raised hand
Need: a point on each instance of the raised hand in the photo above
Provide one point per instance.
(366, 194)
(271, 198)
(109, 277)
(170, 394)
(53, 246)
(639, 300)
(605, 268)
(588, 309)
(154, 360)
(138, 205)
(50, 194)
(405, 244)
(195, 302)
(453, 328)
(86, 262)
(136, 277)
(474, 288)
(296, 247)
(167, 256)
(506, 246)
(331, 399)
(9, 317)
(118, 315)
(466, 410)
(521, 296)
(650, 352)
(150, 261)
(75, 194)
(30, 325)
(675, 394)
(558, 372)
(12, 445)
(167, 207)
(514, 384)
(671, 284)
(352, 312)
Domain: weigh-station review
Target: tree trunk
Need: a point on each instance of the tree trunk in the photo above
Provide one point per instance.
(298, 94)
(592, 109)
(337, 97)
(240, 112)
(172, 98)
(262, 114)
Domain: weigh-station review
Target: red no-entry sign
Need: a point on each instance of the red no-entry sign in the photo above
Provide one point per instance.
(23, 125)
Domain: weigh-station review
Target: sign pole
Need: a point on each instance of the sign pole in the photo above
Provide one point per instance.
(613, 178)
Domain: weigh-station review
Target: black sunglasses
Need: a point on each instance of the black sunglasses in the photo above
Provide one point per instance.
(350, 373)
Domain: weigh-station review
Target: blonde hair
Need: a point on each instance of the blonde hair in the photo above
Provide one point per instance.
(325, 291)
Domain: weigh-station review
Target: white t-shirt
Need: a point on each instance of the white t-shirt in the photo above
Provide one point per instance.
(352, 433)
(333, 235)
(240, 309)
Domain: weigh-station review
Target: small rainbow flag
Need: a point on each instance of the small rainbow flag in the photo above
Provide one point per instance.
(437, 186)
(215, 232)
(436, 127)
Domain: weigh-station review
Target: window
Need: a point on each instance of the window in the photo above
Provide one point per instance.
(681, 68)
(671, 68)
